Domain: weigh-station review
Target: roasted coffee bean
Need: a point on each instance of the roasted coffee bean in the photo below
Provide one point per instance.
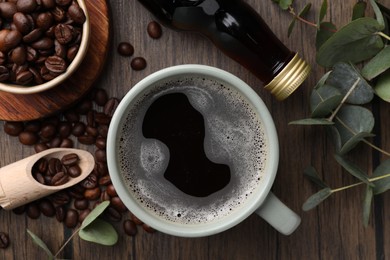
(64, 129)
(22, 23)
(26, 6)
(105, 180)
(48, 4)
(43, 165)
(81, 204)
(104, 196)
(24, 77)
(40, 147)
(125, 49)
(3, 58)
(100, 155)
(74, 171)
(33, 36)
(101, 143)
(8, 9)
(111, 190)
(59, 178)
(18, 55)
(129, 227)
(60, 198)
(91, 118)
(154, 30)
(13, 128)
(4, 74)
(28, 138)
(37, 76)
(84, 106)
(59, 14)
(71, 116)
(92, 194)
(9, 39)
(101, 168)
(117, 203)
(47, 208)
(90, 182)
(102, 118)
(78, 129)
(60, 49)
(44, 21)
(60, 213)
(83, 214)
(56, 64)
(71, 218)
(76, 13)
(33, 211)
(66, 143)
(47, 74)
(48, 131)
(113, 214)
(103, 130)
(92, 131)
(55, 166)
(76, 191)
(48, 179)
(100, 97)
(148, 228)
(70, 159)
(63, 2)
(138, 63)
(110, 106)
(4, 240)
(43, 44)
(33, 126)
(39, 178)
(86, 139)
(55, 142)
(63, 33)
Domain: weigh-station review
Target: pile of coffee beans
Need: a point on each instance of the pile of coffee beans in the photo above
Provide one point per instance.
(86, 124)
(55, 171)
(38, 39)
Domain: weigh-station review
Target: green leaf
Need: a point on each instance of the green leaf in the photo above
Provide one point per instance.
(40, 243)
(353, 169)
(359, 10)
(96, 212)
(355, 42)
(312, 121)
(378, 14)
(312, 174)
(315, 199)
(382, 87)
(325, 31)
(324, 100)
(291, 27)
(304, 10)
(377, 65)
(284, 4)
(383, 184)
(343, 76)
(353, 141)
(367, 200)
(386, 15)
(352, 123)
(100, 232)
(323, 10)
(322, 80)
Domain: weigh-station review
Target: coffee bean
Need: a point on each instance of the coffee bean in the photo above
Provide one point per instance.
(22, 23)
(33, 36)
(37, 76)
(33, 126)
(64, 129)
(74, 171)
(43, 44)
(129, 227)
(60, 198)
(125, 49)
(18, 55)
(59, 178)
(39, 178)
(47, 208)
(103, 130)
(101, 168)
(63, 2)
(154, 30)
(90, 182)
(117, 203)
(92, 194)
(42, 165)
(138, 63)
(83, 214)
(55, 64)
(81, 204)
(104, 196)
(28, 138)
(101, 142)
(76, 13)
(60, 49)
(113, 214)
(91, 118)
(66, 143)
(63, 33)
(86, 139)
(110, 106)
(55, 166)
(100, 97)
(33, 211)
(71, 116)
(44, 21)
(13, 128)
(78, 129)
(92, 131)
(84, 106)
(8, 9)
(72, 52)
(100, 155)
(58, 14)
(60, 213)
(71, 218)
(76, 191)
(4, 74)
(40, 147)
(24, 77)
(4, 240)
(48, 131)
(102, 118)
(111, 190)
(48, 4)
(9, 39)
(105, 180)
(56, 142)
(26, 6)
(70, 159)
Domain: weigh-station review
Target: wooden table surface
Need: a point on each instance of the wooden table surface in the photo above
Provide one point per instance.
(334, 230)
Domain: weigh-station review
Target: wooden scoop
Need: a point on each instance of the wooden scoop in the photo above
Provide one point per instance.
(18, 186)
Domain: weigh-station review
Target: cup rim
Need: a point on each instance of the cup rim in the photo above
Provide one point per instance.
(81, 53)
(213, 227)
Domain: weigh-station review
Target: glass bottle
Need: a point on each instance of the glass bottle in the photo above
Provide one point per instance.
(239, 31)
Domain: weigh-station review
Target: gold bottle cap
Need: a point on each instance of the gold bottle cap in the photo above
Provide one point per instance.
(289, 79)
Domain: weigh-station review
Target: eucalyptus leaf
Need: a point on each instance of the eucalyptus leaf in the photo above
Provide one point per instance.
(378, 14)
(311, 173)
(324, 100)
(96, 212)
(382, 87)
(40, 243)
(284, 4)
(353, 169)
(383, 184)
(322, 80)
(100, 232)
(305, 10)
(377, 65)
(353, 123)
(325, 31)
(359, 10)
(291, 26)
(367, 201)
(355, 42)
(343, 77)
(315, 199)
(386, 15)
(323, 10)
(312, 121)
(353, 141)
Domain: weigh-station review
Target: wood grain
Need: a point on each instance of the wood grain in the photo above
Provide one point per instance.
(14, 107)
(333, 230)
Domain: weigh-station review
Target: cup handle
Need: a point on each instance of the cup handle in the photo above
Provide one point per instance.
(278, 215)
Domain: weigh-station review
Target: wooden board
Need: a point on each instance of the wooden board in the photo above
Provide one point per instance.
(14, 107)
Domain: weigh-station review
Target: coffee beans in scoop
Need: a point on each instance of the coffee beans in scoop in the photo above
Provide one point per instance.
(38, 39)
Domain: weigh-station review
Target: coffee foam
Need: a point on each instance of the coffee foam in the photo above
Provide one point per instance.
(234, 136)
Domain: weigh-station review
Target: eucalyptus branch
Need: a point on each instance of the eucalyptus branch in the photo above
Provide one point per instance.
(66, 242)
(387, 37)
(299, 18)
(360, 183)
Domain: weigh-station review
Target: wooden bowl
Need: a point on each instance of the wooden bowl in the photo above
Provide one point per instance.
(30, 89)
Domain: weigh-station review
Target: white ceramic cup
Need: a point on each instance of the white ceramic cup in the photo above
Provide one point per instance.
(263, 202)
